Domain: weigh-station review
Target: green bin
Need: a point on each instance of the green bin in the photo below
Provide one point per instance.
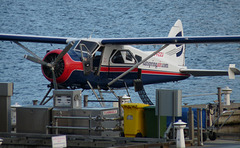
(151, 123)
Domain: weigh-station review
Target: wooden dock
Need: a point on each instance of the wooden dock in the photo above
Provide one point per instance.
(21, 140)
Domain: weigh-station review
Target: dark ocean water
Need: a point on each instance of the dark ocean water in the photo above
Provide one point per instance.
(126, 18)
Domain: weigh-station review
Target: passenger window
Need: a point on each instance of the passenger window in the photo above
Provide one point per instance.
(129, 56)
(139, 58)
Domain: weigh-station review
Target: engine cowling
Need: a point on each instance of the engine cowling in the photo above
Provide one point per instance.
(63, 68)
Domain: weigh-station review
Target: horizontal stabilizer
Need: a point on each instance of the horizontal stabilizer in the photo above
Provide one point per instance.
(231, 72)
(203, 72)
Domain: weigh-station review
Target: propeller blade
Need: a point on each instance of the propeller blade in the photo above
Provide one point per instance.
(26, 49)
(66, 49)
(36, 60)
(54, 79)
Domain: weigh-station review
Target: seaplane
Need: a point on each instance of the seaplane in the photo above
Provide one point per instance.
(109, 63)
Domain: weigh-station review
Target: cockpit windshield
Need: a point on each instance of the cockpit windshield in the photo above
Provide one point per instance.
(86, 46)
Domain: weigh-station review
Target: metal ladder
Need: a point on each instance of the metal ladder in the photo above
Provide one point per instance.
(138, 85)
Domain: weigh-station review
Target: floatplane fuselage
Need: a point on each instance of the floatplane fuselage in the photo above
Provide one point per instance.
(104, 63)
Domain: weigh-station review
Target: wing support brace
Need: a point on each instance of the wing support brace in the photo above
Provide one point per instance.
(136, 65)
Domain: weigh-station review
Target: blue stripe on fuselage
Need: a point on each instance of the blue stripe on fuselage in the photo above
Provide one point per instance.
(78, 78)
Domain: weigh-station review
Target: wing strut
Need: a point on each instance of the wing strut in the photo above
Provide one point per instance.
(136, 65)
(101, 103)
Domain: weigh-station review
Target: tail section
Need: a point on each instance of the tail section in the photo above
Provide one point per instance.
(176, 53)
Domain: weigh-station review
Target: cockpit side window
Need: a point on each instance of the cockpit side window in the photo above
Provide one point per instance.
(117, 58)
(123, 57)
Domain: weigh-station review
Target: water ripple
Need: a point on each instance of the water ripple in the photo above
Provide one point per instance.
(125, 18)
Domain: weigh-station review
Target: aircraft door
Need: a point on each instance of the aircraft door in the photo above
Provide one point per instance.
(97, 60)
(86, 59)
(119, 62)
(88, 49)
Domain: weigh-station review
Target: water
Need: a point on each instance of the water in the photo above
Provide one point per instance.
(126, 18)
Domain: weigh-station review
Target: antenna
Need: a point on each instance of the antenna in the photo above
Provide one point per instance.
(92, 33)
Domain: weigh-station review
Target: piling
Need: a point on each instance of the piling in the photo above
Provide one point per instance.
(180, 141)
(227, 91)
(35, 102)
(6, 91)
(191, 124)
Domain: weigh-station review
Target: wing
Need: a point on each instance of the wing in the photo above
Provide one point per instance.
(231, 72)
(124, 41)
(172, 40)
(37, 39)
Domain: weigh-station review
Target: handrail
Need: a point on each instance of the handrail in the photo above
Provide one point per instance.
(199, 95)
(213, 124)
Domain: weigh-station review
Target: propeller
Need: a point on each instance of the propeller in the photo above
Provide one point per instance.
(51, 65)
(36, 60)
(26, 49)
(66, 49)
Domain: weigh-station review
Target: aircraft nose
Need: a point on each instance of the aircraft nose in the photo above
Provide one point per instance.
(62, 69)
(58, 67)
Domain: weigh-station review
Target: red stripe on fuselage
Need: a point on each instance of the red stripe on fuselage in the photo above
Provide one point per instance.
(151, 72)
(117, 69)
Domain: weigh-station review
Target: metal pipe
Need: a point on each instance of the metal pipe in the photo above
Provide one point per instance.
(120, 109)
(102, 105)
(113, 92)
(83, 128)
(227, 118)
(102, 100)
(198, 127)
(168, 130)
(191, 124)
(48, 100)
(56, 121)
(68, 127)
(68, 117)
(88, 118)
(85, 102)
(89, 125)
(199, 95)
(45, 96)
(201, 130)
(219, 103)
